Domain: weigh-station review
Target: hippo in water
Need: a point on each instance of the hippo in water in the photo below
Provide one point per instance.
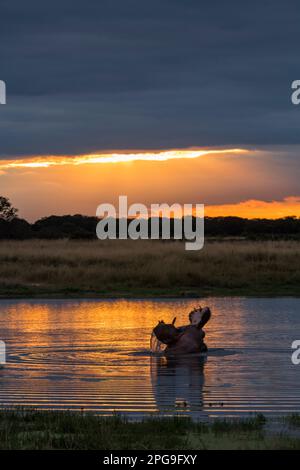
(185, 339)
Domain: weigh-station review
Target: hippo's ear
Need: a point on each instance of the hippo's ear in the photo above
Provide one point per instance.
(174, 320)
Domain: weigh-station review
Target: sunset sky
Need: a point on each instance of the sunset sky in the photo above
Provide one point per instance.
(163, 101)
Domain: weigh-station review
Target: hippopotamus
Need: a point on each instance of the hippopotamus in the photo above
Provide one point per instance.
(185, 339)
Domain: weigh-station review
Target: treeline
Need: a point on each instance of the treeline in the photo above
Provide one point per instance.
(83, 227)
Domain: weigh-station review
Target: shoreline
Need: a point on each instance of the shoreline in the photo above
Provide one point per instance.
(37, 429)
(149, 294)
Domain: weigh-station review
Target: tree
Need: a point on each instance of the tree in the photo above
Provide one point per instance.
(7, 211)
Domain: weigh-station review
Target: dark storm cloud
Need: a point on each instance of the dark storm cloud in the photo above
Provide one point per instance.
(94, 75)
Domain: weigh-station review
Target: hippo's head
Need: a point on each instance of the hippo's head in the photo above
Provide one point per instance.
(166, 333)
(199, 316)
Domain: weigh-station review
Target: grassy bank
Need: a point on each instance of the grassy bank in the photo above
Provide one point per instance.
(148, 268)
(65, 430)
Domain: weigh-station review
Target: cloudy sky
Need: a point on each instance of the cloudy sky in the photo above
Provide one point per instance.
(139, 77)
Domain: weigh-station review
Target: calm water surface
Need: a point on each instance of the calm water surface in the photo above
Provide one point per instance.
(95, 355)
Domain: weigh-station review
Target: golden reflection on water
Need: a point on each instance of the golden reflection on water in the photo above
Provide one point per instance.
(95, 355)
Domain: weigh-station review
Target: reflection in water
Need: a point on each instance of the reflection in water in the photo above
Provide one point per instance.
(178, 383)
(95, 354)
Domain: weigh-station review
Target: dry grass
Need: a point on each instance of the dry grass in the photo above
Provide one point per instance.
(38, 267)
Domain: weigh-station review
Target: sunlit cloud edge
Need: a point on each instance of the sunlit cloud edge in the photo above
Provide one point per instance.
(113, 158)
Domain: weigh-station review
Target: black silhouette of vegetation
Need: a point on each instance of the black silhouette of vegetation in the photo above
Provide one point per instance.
(7, 211)
(83, 227)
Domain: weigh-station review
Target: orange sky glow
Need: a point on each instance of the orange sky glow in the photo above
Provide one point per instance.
(240, 182)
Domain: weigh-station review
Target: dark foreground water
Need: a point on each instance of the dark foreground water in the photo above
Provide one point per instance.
(94, 355)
